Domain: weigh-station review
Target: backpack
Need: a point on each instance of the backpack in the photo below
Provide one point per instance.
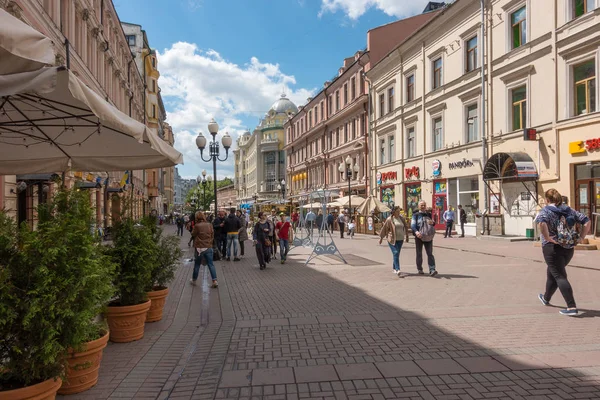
(427, 229)
(567, 230)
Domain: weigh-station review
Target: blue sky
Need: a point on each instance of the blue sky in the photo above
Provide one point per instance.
(232, 59)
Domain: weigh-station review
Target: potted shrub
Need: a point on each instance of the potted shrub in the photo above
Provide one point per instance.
(54, 282)
(163, 269)
(134, 252)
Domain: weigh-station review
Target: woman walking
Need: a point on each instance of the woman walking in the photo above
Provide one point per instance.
(262, 242)
(243, 232)
(395, 229)
(203, 235)
(562, 228)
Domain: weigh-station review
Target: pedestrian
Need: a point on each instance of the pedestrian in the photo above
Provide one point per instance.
(342, 223)
(190, 228)
(462, 216)
(295, 219)
(423, 228)
(220, 234)
(449, 220)
(179, 222)
(310, 219)
(243, 232)
(273, 221)
(395, 231)
(351, 228)
(562, 228)
(261, 234)
(319, 221)
(330, 219)
(282, 230)
(232, 226)
(203, 234)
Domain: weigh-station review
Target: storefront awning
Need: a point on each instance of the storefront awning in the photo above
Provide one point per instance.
(510, 167)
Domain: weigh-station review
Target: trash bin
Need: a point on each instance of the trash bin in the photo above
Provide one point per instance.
(529, 233)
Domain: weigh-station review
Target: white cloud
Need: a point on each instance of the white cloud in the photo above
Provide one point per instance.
(200, 84)
(354, 9)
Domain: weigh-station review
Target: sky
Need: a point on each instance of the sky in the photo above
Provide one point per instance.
(232, 59)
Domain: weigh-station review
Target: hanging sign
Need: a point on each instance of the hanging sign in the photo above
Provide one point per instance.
(436, 167)
(413, 172)
(460, 164)
(379, 178)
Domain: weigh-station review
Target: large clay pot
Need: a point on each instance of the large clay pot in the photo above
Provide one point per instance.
(82, 372)
(126, 323)
(158, 298)
(42, 391)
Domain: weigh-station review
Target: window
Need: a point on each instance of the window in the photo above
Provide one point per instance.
(337, 137)
(410, 88)
(585, 87)
(330, 105)
(153, 86)
(153, 60)
(472, 123)
(471, 61)
(382, 152)
(392, 151)
(381, 105)
(411, 143)
(437, 73)
(330, 140)
(390, 100)
(354, 128)
(581, 7)
(345, 93)
(518, 21)
(337, 100)
(322, 113)
(310, 120)
(519, 107)
(345, 132)
(153, 111)
(353, 88)
(438, 138)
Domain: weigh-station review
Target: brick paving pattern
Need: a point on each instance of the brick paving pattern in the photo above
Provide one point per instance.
(355, 331)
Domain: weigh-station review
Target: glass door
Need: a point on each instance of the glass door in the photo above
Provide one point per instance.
(440, 203)
(583, 198)
(596, 209)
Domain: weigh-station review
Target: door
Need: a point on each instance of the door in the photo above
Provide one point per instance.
(439, 203)
(596, 208)
(587, 201)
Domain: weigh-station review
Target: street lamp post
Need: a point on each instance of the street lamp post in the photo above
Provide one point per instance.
(281, 188)
(255, 197)
(214, 150)
(202, 180)
(349, 170)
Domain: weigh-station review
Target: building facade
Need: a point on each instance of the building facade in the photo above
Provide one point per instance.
(493, 145)
(99, 55)
(259, 158)
(227, 197)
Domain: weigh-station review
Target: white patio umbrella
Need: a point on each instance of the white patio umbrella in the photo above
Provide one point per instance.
(22, 48)
(371, 204)
(312, 205)
(345, 201)
(51, 121)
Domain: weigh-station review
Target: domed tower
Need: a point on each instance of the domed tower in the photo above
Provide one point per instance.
(284, 106)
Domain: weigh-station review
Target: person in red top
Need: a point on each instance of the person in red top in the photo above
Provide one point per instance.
(282, 230)
(295, 219)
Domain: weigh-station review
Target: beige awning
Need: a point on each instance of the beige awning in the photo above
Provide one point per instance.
(371, 204)
(22, 48)
(51, 121)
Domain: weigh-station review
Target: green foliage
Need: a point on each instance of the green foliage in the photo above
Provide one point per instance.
(134, 252)
(55, 281)
(168, 255)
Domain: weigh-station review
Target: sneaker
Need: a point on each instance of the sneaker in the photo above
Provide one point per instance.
(433, 273)
(395, 272)
(193, 282)
(421, 272)
(263, 267)
(401, 275)
(543, 300)
(215, 284)
(228, 259)
(282, 261)
(236, 259)
(570, 313)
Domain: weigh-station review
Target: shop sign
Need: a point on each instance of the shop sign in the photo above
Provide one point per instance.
(526, 169)
(460, 164)
(436, 167)
(379, 178)
(413, 172)
(386, 176)
(581, 146)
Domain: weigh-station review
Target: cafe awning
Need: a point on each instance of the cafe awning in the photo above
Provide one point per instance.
(510, 167)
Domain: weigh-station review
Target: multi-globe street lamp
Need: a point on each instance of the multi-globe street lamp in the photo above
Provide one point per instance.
(349, 170)
(204, 181)
(255, 197)
(281, 188)
(213, 129)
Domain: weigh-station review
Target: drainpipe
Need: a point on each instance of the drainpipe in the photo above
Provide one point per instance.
(145, 85)
(129, 82)
(369, 135)
(484, 146)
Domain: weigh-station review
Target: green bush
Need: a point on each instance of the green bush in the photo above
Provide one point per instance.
(168, 255)
(55, 281)
(134, 251)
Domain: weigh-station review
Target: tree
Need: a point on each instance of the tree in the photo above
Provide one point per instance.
(205, 196)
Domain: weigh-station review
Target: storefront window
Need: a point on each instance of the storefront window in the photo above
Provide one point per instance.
(468, 196)
(412, 196)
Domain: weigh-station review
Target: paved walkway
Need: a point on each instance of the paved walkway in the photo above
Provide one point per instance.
(331, 330)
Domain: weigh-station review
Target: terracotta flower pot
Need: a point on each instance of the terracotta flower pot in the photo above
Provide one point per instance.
(42, 391)
(126, 323)
(158, 298)
(82, 372)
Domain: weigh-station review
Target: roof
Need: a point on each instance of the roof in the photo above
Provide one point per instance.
(284, 106)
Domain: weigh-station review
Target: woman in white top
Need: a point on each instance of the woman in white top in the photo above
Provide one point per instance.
(394, 229)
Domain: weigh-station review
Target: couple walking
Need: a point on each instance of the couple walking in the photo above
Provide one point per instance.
(395, 229)
(265, 232)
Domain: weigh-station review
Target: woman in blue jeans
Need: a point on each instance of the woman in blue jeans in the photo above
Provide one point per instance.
(203, 235)
(394, 230)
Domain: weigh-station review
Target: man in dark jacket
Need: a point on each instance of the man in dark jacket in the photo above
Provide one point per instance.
(330, 220)
(179, 221)
(231, 228)
(462, 215)
(220, 233)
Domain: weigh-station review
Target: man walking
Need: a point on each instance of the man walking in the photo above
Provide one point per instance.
(462, 217)
(449, 219)
(295, 219)
(330, 220)
(220, 233)
(423, 228)
(310, 222)
(342, 223)
(179, 222)
(231, 226)
(282, 230)
(273, 237)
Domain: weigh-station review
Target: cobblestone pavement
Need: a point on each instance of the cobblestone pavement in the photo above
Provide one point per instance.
(331, 330)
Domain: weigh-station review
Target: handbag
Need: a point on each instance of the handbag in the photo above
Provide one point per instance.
(268, 242)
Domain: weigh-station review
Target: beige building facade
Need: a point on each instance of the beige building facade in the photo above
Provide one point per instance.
(540, 66)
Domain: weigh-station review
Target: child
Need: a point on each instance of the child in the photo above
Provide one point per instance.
(351, 227)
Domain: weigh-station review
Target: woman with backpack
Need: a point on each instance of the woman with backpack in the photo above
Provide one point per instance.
(562, 228)
(423, 228)
(395, 229)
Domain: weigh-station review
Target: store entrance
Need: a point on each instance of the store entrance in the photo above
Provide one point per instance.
(587, 200)
(440, 203)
